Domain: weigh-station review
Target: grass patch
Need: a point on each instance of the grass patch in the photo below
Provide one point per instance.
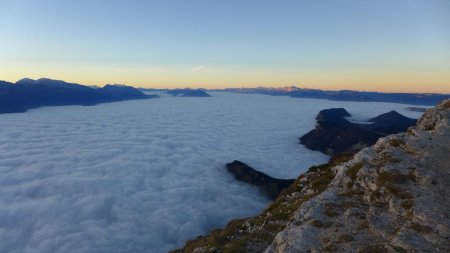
(235, 237)
(359, 215)
(317, 223)
(421, 228)
(396, 142)
(345, 238)
(352, 193)
(331, 248)
(330, 210)
(376, 248)
(364, 224)
(236, 247)
(399, 249)
(321, 224)
(381, 204)
(399, 193)
(410, 131)
(353, 171)
(407, 204)
(446, 105)
(388, 159)
(339, 159)
(391, 180)
(392, 177)
(411, 175)
(320, 183)
(375, 195)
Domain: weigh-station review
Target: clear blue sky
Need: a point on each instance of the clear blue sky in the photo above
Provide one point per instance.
(401, 45)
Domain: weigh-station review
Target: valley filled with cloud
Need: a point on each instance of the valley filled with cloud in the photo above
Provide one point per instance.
(145, 176)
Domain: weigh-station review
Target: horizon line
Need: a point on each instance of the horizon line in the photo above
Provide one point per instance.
(228, 87)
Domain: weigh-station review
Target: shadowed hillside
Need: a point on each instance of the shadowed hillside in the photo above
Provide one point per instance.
(27, 94)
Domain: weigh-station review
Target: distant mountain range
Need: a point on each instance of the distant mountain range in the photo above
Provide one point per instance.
(28, 93)
(346, 95)
(188, 93)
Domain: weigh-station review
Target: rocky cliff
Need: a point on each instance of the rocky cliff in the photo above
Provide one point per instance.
(391, 197)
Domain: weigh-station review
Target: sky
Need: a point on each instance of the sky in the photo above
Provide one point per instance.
(383, 45)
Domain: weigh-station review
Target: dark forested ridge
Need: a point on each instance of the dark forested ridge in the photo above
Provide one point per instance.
(28, 93)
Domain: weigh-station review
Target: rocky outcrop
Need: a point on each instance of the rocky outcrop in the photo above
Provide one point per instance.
(334, 135)
(270, 186)
(255, 234)
(391, 197)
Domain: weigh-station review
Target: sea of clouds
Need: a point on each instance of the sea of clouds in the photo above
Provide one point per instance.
(145, 176)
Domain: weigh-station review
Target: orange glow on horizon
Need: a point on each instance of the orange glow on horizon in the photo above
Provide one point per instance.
(420, 81)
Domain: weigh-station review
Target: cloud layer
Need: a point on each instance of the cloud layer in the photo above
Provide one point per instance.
(144, 176)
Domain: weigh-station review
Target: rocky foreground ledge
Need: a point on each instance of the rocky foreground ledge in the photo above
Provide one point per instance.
(391, 197)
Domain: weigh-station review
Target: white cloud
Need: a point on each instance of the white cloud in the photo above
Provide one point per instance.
(198, 68)
(144, 176)
(206, 69)
(156, 69)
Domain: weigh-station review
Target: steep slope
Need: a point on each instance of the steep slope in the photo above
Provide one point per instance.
(254, 234)
(391, 197)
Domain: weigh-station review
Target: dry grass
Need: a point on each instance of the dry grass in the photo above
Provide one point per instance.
(421, 228)
(353, 171)
(396, 143)
(236, 238)
(376, 248)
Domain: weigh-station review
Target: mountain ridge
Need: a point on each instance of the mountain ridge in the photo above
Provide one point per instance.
(390, 197)
(345, 95)
(27, 94)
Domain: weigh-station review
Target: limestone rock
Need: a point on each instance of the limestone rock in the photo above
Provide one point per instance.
(391, 197)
